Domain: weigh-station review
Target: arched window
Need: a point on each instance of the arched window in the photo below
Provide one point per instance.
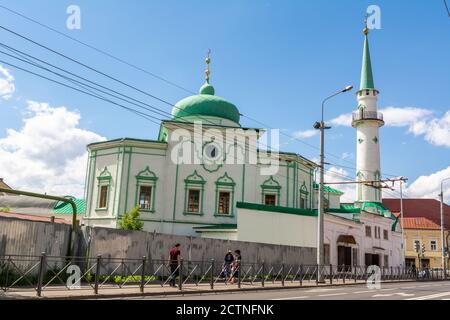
(303, 196)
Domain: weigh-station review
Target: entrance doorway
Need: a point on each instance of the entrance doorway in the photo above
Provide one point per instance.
(344, 258)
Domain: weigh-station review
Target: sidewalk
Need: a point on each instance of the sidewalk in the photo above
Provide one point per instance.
(132, 290)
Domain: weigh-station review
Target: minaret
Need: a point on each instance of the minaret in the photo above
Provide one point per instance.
(367, 122)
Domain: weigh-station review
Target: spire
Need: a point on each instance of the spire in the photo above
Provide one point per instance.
(207, 88)
(366, 71)
(208, 61)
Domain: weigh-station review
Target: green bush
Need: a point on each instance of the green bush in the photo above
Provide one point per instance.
(130, 221)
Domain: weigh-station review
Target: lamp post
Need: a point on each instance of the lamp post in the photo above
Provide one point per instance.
(320, 229)
(442, 227)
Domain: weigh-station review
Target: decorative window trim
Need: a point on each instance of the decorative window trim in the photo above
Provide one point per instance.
(104, 179)
(148, 178)
(375, 139)
(303, 195)
(196, 182)
(270, 186)
(225, 184)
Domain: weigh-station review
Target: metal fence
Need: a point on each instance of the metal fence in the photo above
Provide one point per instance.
(46, 273)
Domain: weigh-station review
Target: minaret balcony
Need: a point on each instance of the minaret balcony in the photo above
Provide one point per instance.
(359, 116)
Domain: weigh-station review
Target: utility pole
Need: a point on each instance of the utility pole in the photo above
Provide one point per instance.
(442, 229)
(320, 223)
(401, 218)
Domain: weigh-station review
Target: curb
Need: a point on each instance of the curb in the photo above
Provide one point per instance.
(199, 292)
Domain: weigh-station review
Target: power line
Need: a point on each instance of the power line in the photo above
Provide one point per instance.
(97, 49)
(143, 92)
(79, 90)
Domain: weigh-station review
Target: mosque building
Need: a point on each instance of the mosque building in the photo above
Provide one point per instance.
(194, 180)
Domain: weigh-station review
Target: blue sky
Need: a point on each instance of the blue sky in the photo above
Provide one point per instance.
(276, 60)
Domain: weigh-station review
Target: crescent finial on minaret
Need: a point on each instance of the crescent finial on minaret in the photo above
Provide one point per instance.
(366, 29)
(208, 61)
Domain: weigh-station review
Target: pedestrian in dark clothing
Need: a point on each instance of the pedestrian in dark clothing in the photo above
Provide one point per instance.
(174, 263)
(228, 261)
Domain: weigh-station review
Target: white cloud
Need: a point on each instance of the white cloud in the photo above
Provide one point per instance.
(305, 134)
(430, 186)
(48, 154)
(334, 174)
(343, 120)
(7, 86)
(419, 121)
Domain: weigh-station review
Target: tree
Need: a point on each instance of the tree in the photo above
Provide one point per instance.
(130, 221)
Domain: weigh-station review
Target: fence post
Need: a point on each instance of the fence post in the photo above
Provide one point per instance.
(343, 269)
(180, 278)
(41, 274)
(263, 274)
(301, 275)
(212, 274)
(144, 260)
(356, 273)
(331, 273)
(282, 275)
(239, 269)
(97, 273)
(317, 275)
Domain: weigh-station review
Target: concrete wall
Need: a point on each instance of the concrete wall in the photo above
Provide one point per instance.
(23, 237)
(113, 243)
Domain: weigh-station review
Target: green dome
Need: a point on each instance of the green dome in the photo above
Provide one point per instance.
(206, 104)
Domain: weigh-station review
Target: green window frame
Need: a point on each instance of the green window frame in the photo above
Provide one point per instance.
(225, 184)
(146, 178)
(194, 182)
(103, 180)
(271, 186)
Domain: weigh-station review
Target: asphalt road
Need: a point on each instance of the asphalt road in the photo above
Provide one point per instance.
(437, 290)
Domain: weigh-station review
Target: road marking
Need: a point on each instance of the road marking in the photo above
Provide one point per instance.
(292, 298)
(431, 296)
(402, 294)
(321, 290)
(367, 291)
(333, 294)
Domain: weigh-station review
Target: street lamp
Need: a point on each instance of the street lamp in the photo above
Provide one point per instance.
(320, 229)
(442, 227)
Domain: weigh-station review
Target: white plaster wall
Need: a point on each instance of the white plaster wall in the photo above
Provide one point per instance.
(277, 228)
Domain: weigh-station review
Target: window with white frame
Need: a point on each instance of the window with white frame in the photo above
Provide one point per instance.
(104, 183)
(225, 196)
(145, 190)
(369, 231)
(433, 245)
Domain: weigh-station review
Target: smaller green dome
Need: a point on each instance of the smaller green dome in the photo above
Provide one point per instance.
(207, 89)
(206, 104)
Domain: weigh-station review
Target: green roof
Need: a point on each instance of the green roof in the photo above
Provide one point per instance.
(205, 104)
(327, 189)
(280, 209)
(217, 227)
(345, 208)
(66, 208)
(366, 70)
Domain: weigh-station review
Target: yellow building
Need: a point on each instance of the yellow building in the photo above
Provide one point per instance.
(424, 233)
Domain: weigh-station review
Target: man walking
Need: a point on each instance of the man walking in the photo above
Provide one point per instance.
(174, 263)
